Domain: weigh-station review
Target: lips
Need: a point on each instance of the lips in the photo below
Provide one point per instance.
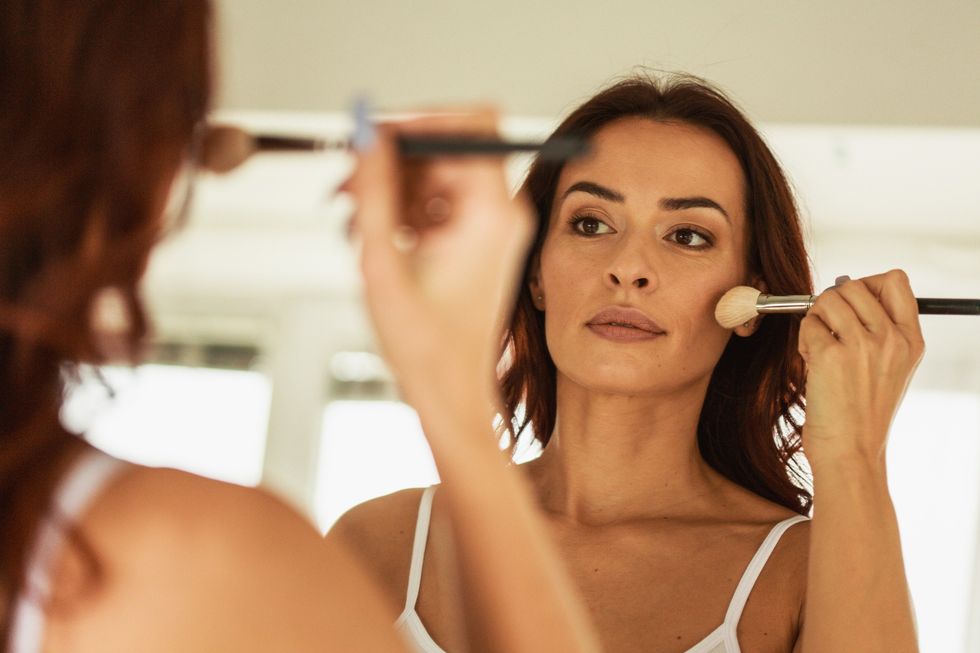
(627, 318)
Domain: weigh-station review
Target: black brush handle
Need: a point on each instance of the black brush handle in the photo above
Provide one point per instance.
(937, 306)
(560, 148)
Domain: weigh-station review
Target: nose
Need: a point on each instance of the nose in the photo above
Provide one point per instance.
(631, 268)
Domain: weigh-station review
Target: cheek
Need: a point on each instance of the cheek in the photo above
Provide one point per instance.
(568, 281)
(689, 308)
(567, 276)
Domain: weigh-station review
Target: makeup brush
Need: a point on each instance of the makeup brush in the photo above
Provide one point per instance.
(225, 147)
(742, 303)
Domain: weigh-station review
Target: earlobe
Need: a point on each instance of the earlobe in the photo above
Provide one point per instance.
(534, 287)
(537, 296)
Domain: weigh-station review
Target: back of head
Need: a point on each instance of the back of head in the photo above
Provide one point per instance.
(749, 426)
(99, 100)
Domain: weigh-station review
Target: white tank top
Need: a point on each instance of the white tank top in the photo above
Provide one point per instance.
(721, 640)
(83, 482)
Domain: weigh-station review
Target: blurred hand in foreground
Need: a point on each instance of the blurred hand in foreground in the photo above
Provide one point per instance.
(443, 248)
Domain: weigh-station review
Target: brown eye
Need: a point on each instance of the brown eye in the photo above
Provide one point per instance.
(690, 238)
(685, 236)
(589, 226)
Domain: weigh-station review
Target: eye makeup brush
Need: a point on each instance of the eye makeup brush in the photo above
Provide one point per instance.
(225, 147)
(742, 303)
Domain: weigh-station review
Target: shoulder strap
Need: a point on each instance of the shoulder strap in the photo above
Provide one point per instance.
(418, 548)
(75, 493)
(755, 568)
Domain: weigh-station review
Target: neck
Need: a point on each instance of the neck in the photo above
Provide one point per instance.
(614, 458)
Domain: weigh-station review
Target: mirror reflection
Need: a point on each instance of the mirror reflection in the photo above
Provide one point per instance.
(855, 150)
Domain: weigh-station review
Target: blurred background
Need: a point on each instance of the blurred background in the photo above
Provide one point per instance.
(263, 369)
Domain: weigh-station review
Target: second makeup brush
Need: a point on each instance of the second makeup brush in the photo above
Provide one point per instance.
(226, 147)
(742, 303)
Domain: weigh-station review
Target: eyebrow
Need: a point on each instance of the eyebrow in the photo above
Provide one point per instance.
(593, 188)
(681, 203)
(667, 204)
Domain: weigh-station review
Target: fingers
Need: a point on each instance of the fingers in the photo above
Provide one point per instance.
(836, 314)
(376, 186)
(815, 337)
(439, 190)
(418, 200)
(894, 292)
(881, 307)
(865, 305)
(473, 120)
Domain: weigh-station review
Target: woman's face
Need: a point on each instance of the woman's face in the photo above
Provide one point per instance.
(645, 236)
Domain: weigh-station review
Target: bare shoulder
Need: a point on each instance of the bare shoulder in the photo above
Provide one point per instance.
(774, 609)
(381, 533)
(169, 504)
(793, 552)
(786, 568)
(190, 520)
(789, 557)
(188, 563)
(784, 575)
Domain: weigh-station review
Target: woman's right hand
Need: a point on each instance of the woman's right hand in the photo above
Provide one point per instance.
(443, 247)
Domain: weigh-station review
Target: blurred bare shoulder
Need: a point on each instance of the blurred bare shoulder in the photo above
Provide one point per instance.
(381, 533)
(188, 563)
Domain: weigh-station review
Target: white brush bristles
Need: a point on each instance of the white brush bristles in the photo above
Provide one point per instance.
(737, 306)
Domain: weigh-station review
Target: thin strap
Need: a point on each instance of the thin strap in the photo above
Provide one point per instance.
(418, 549)
(755, 568)
(76, 491)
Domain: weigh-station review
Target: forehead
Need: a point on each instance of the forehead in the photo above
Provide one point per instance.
(641, 158)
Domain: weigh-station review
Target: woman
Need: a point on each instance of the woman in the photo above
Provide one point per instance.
(670, 474)
(102, 103)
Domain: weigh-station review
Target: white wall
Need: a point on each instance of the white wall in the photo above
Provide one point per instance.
(876, 62)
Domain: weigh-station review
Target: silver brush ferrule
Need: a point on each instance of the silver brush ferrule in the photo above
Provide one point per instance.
(784, 303)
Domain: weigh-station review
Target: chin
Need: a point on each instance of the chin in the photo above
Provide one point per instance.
(631, 373)
(628, 378)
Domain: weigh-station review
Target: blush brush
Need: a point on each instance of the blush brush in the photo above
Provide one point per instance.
(742, 303)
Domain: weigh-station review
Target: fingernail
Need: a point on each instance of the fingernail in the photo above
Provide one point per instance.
(841, 280)
(364, 135)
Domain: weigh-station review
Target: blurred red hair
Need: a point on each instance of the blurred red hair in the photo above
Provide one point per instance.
(98, 103)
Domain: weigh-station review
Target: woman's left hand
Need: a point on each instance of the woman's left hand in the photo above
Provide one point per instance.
(861, 342)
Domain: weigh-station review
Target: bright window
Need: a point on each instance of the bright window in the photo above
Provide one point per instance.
(934, 476)
(206, 421)
(368, 449)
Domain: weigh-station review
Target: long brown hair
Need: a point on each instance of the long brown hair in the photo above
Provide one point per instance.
(750, 424)
(98, 103)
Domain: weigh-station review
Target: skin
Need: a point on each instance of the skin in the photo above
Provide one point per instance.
(190, 564)
(440, 300)
(626, 436)
(653, 538)
(861, 342)
(195, 565)
(186, 561)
